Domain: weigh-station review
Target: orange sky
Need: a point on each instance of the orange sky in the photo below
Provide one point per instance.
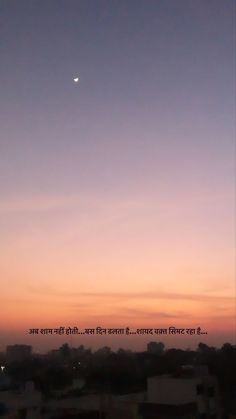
(117, 262)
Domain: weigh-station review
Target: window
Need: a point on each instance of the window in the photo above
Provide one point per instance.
(211, 391)
(200, 389)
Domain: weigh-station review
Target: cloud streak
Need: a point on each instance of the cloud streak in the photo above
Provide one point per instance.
(155, 295)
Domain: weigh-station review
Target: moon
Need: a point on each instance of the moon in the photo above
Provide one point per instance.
(76, 79)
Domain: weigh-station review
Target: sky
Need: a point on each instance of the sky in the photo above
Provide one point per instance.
(117, 193)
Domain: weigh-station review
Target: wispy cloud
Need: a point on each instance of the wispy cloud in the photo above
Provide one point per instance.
(156, 295)
(36, 203)
(114, 204)
(146, 314)
(121, 296)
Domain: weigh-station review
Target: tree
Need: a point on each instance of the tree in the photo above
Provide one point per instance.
(65, 351)
(155, 348)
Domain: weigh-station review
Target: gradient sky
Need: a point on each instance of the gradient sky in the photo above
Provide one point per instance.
(117, 194)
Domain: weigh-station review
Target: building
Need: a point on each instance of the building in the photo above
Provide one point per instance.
(18, 353)
(190, 393)
(166, 411)
(25, 403)
(98, 406)
(156, 348)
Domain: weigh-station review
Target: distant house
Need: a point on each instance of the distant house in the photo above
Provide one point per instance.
(25, 403)
(18, 353)
(183, 396)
